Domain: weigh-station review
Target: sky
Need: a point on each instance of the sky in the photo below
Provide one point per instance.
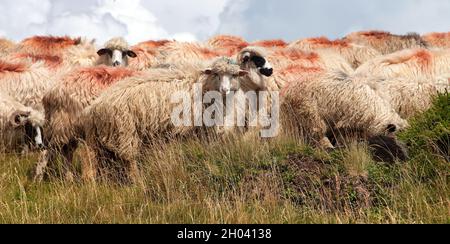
(197, 20)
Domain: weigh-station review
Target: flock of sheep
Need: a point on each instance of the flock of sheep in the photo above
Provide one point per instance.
(56, 92)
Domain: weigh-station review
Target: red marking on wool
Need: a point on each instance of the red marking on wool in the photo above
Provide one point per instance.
(106, 76)
(51, 43)
(325, 42)
(12, 67)
(208, 53)
(424, 58)
(228, 42)
(300, 69)
(438, 35)
(49, 60)
(271, 43)
(296, 55)
(375, 34)
(154, 44)
(139, 50)
(228, 45)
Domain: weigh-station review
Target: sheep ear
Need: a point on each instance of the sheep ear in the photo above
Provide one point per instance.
(19, 118)
(103, 51)
(243, 73)
(246, 57)
(391, 128)
(207, 72)
(131, 54)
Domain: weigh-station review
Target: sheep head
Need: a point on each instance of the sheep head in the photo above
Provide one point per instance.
(33, 129)
(254, 60)
(223, 76)
(116, 52)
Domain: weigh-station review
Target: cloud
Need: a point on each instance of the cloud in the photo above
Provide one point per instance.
(17, 18)
(140, 20)
(100, 19)
(292, 19)
(200, 17)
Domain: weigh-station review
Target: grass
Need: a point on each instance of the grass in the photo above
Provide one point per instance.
(239, 181)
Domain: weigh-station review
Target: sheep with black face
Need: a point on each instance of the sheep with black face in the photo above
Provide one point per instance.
(19, 123)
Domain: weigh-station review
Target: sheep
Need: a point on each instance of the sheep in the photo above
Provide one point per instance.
(437, 40)
(409, 63)
(385, 42)
(231, 45)
(17, 120)
(26, 82)
(53, 63)
(270, 44)
(64, 103)
(354, 54)
(182, 53)
(227, 45)
(74, 51)
(136, 113)
(115, 53)
(6, 46)
(289, 64)
(147, 54)
(330, 102)
(318, 102)
(409, 96)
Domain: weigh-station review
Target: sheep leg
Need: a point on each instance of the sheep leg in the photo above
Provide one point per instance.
(134, 173)
(42, 164)
(68, 153)
(89, 165)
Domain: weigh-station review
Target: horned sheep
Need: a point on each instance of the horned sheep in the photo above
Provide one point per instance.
(18, 122)
(137, 112)
(63, 105)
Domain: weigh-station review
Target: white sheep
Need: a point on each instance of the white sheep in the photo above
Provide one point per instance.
(63, 104)
(320, 102)
(136, 113)
(385, 42)
(6, 46)
(437, 40)
(354, 54)
(115, 53)
(409, 96)
(411, 63)
(332, 103)
(26, 82)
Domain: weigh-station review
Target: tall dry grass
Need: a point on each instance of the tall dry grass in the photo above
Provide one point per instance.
(237, 180)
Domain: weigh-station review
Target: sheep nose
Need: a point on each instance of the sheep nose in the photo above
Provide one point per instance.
(40, 146)
(117, 63)
(225, 91)
(267, 72)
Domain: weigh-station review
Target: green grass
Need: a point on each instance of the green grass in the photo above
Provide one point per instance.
(239, 181)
